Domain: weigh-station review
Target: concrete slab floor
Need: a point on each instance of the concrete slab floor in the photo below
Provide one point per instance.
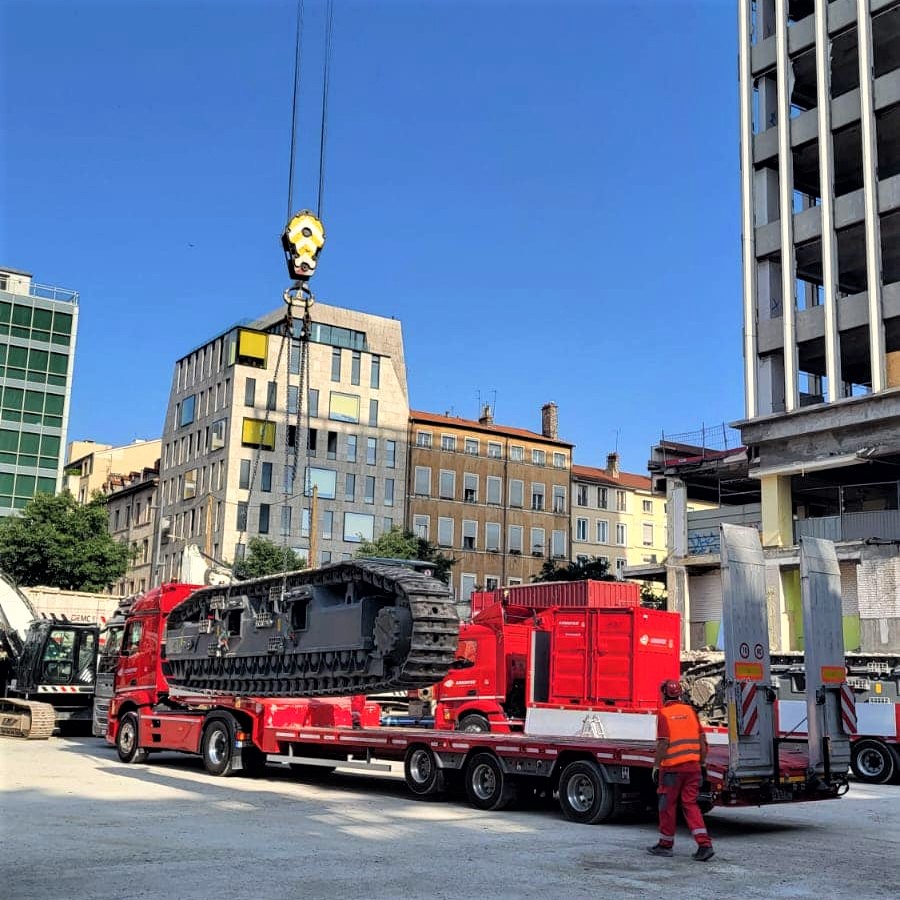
(76, 823)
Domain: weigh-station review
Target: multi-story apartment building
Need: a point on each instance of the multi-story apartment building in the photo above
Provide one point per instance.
(820, 179)
(131, 504)
(242, 456)
(615, 517)
(38, 325)
(495, 498)
(94, 467)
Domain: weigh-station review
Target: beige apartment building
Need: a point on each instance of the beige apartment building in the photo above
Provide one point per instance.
(132, 507)
(492, 496)
(99, 467)
(243, 457)
(616, 517)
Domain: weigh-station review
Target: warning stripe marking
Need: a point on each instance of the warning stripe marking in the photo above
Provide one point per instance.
(848, 710)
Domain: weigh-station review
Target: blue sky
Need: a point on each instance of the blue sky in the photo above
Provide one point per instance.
(545, 192)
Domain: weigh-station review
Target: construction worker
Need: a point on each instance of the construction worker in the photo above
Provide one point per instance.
(680, 765)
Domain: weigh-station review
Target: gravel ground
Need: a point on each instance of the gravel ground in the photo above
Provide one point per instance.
(76, 823)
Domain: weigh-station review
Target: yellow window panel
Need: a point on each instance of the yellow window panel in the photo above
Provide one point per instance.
(253, 345)
(256, 433)
(343, 407)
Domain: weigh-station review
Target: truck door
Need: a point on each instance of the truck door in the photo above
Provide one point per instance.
(611, 656)
(137, 664)
(568, 657)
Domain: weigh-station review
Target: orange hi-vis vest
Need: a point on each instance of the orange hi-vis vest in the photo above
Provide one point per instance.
(683, 729)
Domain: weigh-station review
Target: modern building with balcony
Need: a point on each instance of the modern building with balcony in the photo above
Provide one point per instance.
(38, 326)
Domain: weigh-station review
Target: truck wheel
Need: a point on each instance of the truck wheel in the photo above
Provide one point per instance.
(423, 777)
(872, 761)
(127, 740)
(474, 723)
(487, 785)
(584, 795)
(217, 746)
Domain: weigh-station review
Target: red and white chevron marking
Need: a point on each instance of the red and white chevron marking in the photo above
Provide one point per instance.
(848, 710)
(64, 688)
(749, 718)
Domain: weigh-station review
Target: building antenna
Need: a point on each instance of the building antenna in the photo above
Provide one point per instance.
(617, 440)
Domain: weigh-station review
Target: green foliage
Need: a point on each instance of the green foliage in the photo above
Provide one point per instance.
(594, 569)
(400, 544)
(653, 595)
(58, 543)
(264, 557)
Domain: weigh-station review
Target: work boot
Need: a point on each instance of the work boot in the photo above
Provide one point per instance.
(660, 850)
(703, 853)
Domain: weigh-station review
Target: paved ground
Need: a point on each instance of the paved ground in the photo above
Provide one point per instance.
(76, 823)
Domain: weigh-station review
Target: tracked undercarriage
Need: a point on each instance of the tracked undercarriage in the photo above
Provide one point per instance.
(26, 719)
(350, 628)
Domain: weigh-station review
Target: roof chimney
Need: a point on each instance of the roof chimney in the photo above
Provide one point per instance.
(612, 464)
(487, 415)
(550, 421)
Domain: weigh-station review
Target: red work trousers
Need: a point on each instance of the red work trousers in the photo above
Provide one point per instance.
(680, 784)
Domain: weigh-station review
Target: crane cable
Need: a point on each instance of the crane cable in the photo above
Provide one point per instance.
(294, 104)
(323, 128)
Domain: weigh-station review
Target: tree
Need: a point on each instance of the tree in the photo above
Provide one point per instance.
(595, 569)
(653, 595)
(59, 543)
(264, 557)
(401, 544)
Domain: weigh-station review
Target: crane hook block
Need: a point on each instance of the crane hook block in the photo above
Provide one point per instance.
(302, 240)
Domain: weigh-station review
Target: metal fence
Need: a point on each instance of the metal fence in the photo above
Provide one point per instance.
(708, 440)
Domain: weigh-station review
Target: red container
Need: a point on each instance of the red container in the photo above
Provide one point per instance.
(546, 594)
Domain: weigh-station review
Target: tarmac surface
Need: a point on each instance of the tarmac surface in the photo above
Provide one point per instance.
(76, 823)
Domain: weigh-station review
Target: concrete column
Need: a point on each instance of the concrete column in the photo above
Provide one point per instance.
(779, 622)
(777, 512)
(870, 193)
(676, 518)
(679, 600)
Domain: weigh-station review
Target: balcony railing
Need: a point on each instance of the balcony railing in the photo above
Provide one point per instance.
(855, 526)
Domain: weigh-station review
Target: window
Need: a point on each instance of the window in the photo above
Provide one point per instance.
(241, 521)
(355, 363)
(447, 486)
(445, 532)
(217, 434)
(621, 501)
(421, 525)
(250, 392)
(516, 453)
(370, 489)
(602, 531)
(312, 440)
(466, 587)
(288, 479)
(293, 401)
(558, 544)
(537, 541)
(304, 523)
(491, 582)
(472, 446)
(647, 506)
(324, 480)
(423, 439)
(469, 534)
(272, 395)
(648, 534)
(390, 454)
(515, 539)
(514, 581)
(602, 498)
(559, 460)
(266, 477)
(470, 488)
(516, 492)
(325, 556)
(581, 527)
(559, 498)
(327, 523)
(621, 562)
(351, 448)
(373, 413)
(581, 493)
(294, 361)
(539, 457)
(343, 407)
(448, 442)
(494, 450)
(387, 523)
(375, 372)
(188, 406)
(537, 496)
(621, 534)
(249, 348)
(244, 481)
(257, 433)
(313, 401)
(371, 451)
(422, 482)
(263, 518)
(388, 491)
(492, 537)
(494, 490)
(331, 449)
(336, 364)
(358, 527)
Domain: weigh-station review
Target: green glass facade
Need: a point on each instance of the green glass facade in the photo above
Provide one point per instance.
(38, 326)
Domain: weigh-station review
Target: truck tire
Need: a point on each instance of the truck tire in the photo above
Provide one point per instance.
(487, 785)
(127, 740)
(584, 795)
(873, 761)
(474, 723)
(423, 776)
(217, 745)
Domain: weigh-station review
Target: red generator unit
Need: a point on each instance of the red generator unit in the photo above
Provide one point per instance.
(547, 594)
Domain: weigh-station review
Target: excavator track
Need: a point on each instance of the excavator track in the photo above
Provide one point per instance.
(414, 640)
(26, 719)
